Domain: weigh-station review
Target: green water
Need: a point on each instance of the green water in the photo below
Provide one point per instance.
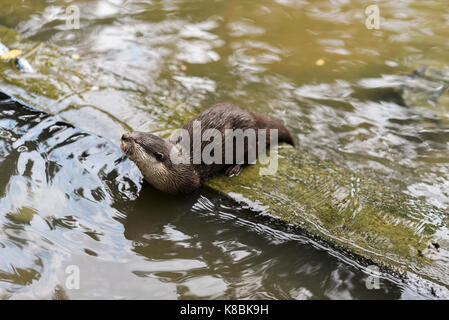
(143, 63)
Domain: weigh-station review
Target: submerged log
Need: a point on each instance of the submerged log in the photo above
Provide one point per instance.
(359, 214)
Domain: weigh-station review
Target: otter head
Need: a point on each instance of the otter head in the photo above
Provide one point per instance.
(151, 154)
(146, 148)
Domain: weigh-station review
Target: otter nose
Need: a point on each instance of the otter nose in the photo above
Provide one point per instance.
(126, 136)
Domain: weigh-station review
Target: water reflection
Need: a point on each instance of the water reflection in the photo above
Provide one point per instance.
(70, 198)
(67, 196)
(145, 59)
(199, 245)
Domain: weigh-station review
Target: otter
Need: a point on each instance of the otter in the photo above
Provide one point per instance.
(152, 154)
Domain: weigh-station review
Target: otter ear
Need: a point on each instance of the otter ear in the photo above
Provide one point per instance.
(159, 156)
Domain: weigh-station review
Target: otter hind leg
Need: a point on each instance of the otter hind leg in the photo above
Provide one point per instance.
(233, 170)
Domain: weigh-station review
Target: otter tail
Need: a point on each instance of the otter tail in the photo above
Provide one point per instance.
(268, 122)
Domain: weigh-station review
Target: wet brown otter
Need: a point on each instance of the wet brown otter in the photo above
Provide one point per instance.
(153, 155)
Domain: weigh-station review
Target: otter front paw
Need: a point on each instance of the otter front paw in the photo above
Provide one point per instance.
(233, 170)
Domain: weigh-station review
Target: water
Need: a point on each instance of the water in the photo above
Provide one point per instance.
(147, 62)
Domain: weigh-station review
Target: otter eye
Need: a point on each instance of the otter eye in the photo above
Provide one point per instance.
(159, 156)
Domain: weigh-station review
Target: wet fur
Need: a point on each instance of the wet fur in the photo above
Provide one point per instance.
(152, 154)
